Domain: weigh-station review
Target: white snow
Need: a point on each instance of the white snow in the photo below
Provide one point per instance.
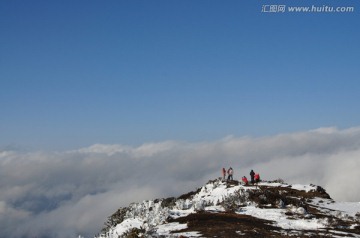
(166, 229)
(300, 187)
(281, 220)
(349, 208)
(306, 188)
(125, 226)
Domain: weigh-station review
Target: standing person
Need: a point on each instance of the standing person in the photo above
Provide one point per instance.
(223, 173)
(230, 173)
(257, 177)
(252, 174)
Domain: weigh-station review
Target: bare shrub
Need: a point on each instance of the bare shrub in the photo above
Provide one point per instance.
(134, 233)
(114, 219)
(234, 201)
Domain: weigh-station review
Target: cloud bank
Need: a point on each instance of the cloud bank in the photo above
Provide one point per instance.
(70, 193)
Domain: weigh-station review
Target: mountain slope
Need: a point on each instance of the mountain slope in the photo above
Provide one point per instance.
(229, 209)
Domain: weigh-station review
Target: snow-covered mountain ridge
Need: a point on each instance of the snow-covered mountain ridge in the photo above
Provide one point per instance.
(229, 209)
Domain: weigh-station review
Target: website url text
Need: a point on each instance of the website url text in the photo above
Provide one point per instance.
(307, 9)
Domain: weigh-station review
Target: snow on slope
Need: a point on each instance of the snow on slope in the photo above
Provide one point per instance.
(290, 209)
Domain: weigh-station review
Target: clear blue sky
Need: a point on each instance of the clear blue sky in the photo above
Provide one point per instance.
(75, 73)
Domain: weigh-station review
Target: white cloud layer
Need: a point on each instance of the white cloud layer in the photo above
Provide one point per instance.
(65, 194)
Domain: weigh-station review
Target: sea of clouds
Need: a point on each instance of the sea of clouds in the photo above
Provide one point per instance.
(70, 193)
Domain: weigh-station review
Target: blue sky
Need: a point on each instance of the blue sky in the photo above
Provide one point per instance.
(75, 73)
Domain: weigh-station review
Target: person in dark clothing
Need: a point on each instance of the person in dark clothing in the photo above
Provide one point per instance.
(252, 174)
(230, 173)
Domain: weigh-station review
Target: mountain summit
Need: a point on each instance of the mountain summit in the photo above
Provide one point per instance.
(224, 208)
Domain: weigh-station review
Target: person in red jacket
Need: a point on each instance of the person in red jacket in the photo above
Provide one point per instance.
(223, 173)
(245, 181)
(257, 178)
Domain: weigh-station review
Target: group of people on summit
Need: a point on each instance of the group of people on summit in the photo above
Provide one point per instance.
(255, 177)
